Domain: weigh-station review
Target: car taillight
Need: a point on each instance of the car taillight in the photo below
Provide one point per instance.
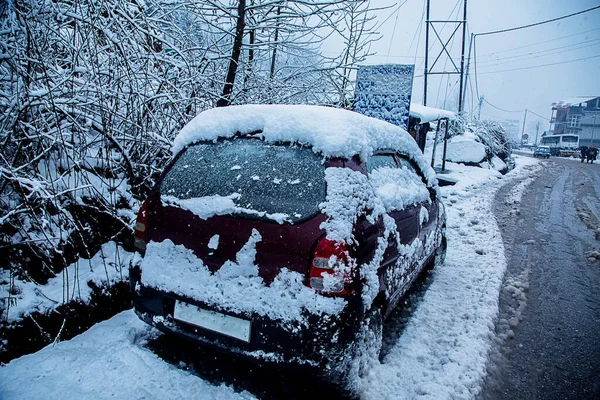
(140, 228)
(331, 268)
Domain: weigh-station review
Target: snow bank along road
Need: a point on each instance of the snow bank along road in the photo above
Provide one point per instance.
(441, 353)
(550, 302)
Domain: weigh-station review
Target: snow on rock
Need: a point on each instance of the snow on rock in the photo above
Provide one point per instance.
(108, 361)
(429, 114)
(332, 132)
(109, 265)
(465, 149)
(236, 286)
(497, 164)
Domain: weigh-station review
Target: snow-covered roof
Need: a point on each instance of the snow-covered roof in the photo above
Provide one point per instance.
(576, 100)
(428, 114)
(332, 132)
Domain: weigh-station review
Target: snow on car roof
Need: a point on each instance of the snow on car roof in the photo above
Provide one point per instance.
(332, 132)
(428, 114)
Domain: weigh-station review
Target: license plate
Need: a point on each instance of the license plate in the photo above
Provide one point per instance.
(225, 324)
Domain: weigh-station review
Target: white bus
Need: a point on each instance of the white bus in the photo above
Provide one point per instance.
(563, 145)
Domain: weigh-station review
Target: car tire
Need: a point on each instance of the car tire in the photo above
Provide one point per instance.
(440, 253)
(363, 354)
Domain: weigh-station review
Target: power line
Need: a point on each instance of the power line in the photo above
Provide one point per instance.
(390, 16)
(531, 67)
(570, 47)
(528, 110)
(537, 23)
(417, 34)
(515, 111)
(394, 30)
(535, 44)
(520, 57)
(501, 109)
(474, 37)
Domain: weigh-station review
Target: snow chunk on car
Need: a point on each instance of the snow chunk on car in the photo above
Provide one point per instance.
(236, 287)
(331, 132)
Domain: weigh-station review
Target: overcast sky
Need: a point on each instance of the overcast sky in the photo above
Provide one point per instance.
(527, 86)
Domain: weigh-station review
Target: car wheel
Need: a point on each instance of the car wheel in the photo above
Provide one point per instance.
(440, 253)
(363, 354)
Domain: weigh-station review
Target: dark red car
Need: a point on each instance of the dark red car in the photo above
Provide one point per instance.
(263, 244)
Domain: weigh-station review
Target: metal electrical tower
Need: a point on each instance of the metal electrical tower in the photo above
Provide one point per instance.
(430, 70)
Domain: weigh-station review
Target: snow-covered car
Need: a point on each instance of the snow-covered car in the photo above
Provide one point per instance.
(542, 152)
(287, 234)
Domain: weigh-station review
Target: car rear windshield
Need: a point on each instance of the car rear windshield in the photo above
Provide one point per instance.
(268, 178)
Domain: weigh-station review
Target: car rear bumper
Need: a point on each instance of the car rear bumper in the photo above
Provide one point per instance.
(316, 341)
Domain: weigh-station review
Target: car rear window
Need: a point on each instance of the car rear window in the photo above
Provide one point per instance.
(273, 179)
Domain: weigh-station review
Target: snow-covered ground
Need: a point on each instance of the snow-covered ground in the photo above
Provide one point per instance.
(441, 353)
(108, 266)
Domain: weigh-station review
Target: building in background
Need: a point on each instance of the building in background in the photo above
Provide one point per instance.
(513, 127)
(580, 116)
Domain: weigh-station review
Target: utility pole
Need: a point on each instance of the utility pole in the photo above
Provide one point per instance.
(537, 131)
(426, 54)
(479, 106)
(455, 70)
(523, 129)
(462, 59)
(593, 129)
(464, 92)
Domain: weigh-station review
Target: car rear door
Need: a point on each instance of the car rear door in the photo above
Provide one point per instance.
(402, 247)
(428, 208)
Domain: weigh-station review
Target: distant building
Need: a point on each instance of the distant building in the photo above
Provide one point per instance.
(580, 116)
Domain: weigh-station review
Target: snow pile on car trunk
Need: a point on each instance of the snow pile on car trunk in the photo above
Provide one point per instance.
(236, 286)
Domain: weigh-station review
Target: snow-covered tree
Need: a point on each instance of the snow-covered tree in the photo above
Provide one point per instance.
(93, 92)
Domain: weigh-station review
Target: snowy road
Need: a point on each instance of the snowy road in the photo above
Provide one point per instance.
(438, 349)
(550, 307)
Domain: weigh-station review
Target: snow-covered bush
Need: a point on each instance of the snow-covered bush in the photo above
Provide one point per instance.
(485, 143)
(494, 137)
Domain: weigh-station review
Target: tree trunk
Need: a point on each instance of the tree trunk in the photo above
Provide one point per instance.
(225, 99)
(272, 75)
